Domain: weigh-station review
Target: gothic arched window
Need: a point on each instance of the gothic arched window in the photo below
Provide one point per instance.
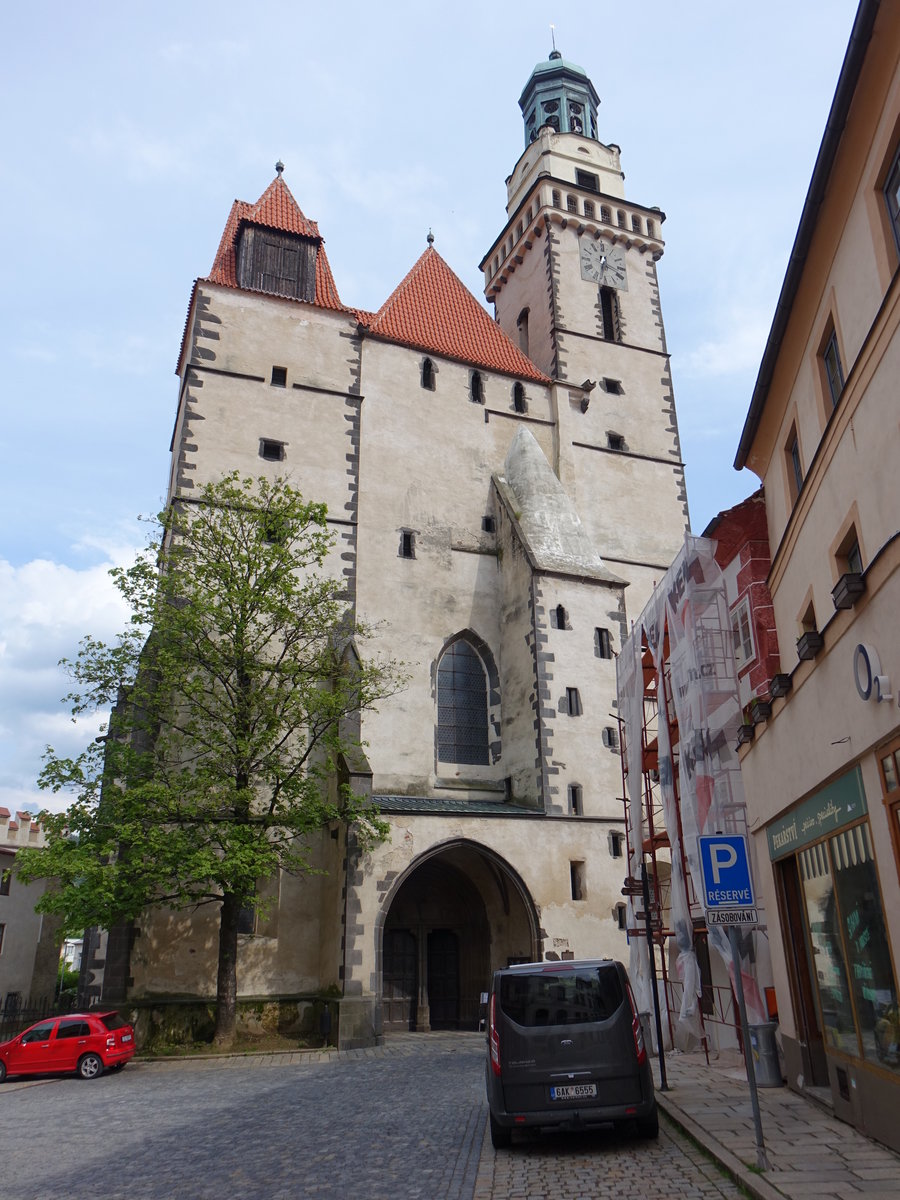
(462, 701)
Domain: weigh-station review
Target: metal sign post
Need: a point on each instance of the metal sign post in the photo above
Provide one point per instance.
(728, 899)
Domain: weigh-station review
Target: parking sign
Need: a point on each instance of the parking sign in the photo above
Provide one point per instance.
(727, 885)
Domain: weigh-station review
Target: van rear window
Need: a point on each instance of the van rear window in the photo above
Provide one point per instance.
(561, 998)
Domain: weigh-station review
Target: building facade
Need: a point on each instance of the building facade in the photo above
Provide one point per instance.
(821, 774)
(502, 493)
(29, 951)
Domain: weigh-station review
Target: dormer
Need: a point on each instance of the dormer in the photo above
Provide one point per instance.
(282, 264)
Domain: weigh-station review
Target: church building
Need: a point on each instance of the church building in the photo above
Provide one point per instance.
(504, 490)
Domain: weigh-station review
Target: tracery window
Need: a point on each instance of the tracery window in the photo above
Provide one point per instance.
(462, 700)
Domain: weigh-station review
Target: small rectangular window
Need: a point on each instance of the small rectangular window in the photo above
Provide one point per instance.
(794, 466)
(615, 441)
(589, 210)
(602, 643)
(407, 544)
(575, 800)
(613, 386)
(588, 181)
(621, 916)
(573, 702)
(609, 311)
(5, 878)
(576, 876)
(742, 634)
(279, 377)
(834, 372)
(610, 737)
(488, 525)
(892, 197)
(270, 450)
(616, 842)
(853, 558)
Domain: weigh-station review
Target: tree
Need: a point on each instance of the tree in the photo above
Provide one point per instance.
(235, 688)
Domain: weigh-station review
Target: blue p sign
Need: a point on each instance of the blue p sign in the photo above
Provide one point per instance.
(726, 871)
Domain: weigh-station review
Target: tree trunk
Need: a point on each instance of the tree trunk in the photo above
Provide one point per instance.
(226, 980)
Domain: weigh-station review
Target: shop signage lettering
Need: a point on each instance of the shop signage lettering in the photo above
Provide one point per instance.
(829, 809)
(870, 682)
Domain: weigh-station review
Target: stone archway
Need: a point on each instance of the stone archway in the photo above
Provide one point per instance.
(455, 915)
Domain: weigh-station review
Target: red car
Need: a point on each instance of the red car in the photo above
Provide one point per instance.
(87, 1043)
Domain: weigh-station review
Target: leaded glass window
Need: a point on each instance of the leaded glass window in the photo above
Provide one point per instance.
(462, 707)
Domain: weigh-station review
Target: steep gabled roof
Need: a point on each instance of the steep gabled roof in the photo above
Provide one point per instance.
(275, 209)
(432, 310)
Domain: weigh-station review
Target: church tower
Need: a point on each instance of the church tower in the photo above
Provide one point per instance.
(573, 280)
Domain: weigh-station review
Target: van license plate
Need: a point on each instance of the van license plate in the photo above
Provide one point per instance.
(574, 1091)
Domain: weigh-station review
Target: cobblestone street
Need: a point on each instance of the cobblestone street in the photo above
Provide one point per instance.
(406, 1120)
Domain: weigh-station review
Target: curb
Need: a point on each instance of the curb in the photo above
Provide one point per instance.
(757, 1185)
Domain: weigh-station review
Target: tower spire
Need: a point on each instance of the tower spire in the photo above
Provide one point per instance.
(559, 95)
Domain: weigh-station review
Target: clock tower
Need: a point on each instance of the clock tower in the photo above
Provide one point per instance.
(573, 279)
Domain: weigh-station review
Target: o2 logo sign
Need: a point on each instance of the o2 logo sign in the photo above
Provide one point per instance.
(870, 683)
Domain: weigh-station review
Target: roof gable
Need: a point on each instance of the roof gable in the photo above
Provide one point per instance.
(432, 310)
(276, 209)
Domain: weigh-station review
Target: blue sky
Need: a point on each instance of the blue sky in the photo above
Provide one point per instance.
(129, 129)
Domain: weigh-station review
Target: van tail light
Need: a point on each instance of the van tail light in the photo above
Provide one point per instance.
(637, 1031)
(494, 1035)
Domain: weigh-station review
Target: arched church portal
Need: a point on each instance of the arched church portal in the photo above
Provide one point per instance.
(457, 914)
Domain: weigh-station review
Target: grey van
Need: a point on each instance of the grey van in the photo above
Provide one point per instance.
(565, 1049)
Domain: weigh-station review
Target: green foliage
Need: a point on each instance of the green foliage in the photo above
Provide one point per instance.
(235, 691)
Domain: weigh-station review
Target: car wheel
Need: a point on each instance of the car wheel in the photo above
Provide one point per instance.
(501, 1139)
(90, 1066)
(648, 1127)
(2, 1070)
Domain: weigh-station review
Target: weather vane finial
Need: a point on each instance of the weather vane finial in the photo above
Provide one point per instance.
(553, 35)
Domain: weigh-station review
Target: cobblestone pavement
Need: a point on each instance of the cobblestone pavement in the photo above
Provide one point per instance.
(406, 1120)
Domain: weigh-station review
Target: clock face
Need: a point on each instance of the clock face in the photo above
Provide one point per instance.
(604, 263)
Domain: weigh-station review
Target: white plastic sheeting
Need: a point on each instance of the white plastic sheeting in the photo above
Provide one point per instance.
(691, 605)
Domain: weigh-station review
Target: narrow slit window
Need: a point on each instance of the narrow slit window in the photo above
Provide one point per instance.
(519, 402)
(621, 916)
(576, 877)
(576, 798)
(488, 525)
(603, 642)
(476, 388)
(834, 371)
(407, 544)
(609, 311)
(616, 844)
(561, 622)
(573, 702)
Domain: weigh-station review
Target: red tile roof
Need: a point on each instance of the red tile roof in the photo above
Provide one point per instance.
(275, 209)
(433, 310)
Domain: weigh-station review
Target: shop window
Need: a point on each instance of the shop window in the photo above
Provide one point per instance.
(889, 766)
(854, 977)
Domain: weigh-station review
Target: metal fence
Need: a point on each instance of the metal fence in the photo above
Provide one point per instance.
(17, 1014)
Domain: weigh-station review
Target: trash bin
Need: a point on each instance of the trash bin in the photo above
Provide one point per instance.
(765, 1055)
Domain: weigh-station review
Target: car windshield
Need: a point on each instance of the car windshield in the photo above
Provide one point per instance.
(562, 997)
(113, 1021)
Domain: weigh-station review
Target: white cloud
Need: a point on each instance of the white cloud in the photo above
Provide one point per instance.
(138, 154)
(736, 347)
(45, 610)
